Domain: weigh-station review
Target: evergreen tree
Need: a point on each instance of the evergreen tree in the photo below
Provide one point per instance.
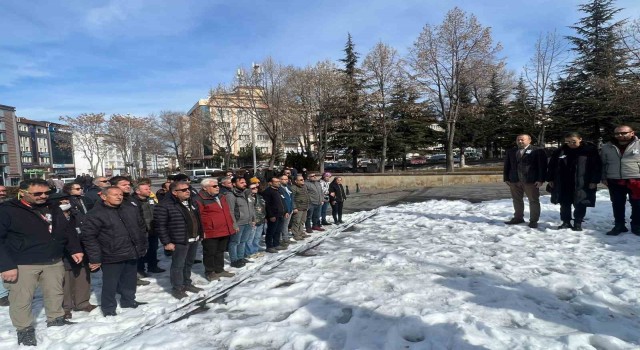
(496, 125)
(585, 98)
(521, 115)
(350, 130)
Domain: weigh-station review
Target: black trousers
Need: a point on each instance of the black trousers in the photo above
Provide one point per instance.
(619, 194)
(578, 214)
(118, 278)
(151, 258)
(336, 211)
(272, 238)
(213, 254)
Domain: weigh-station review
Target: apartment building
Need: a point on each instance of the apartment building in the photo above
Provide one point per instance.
(10, 166)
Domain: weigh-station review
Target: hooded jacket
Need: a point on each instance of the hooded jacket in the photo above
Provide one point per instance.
(621, 166)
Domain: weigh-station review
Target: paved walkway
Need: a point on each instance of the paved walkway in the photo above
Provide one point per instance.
(474, 193)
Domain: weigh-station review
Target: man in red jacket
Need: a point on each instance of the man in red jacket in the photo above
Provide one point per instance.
(218, 226)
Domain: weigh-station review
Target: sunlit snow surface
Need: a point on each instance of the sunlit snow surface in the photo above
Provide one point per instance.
(432, 275)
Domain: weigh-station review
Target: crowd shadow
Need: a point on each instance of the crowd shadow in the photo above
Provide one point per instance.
(355, 327)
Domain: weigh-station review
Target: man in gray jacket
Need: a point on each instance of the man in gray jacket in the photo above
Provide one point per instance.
(621, 174)
(316, 196)
(300, 206)
(242, 210)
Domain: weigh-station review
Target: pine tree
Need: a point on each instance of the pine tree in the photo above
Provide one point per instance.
(350, 129)
(585, 98)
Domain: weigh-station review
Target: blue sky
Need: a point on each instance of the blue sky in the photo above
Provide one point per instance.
(142, 56)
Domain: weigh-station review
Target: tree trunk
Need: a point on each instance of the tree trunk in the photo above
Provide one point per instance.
(383, 161)
(451, 129)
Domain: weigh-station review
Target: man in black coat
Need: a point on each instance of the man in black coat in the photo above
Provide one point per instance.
(114, 237)
(525, 169)
(176, 221)
(274, 206)
(33, 237)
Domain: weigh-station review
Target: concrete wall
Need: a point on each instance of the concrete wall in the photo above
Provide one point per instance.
(396, 180)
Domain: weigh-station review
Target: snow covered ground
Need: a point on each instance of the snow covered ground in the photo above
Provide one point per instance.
(432, 275)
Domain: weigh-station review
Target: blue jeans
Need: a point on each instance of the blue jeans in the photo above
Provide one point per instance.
(323, 211)
(238, 242)
(313, 216)
(253, 245)
(3, 291)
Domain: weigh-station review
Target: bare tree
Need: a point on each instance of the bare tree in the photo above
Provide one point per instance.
(228, 121)
(125, 134)
(540, 73)
(88, 131)
(442, 56)
(173, 129)
(381, 70)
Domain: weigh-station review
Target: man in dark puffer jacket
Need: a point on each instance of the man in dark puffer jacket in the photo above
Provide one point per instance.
(176, 221)
(114, 237)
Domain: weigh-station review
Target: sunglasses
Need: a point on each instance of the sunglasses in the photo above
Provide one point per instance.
(253, 188)
(214, 186)
(39, 194)
(183, 190)
(103, 181)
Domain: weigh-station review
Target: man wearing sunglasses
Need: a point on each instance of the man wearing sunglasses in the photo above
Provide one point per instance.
(176, 221)
(93, 192)
(620, 159)
(33, 237)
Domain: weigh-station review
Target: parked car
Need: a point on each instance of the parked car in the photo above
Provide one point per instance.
(196, 175)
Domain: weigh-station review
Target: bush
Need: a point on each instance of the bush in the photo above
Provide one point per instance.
(299, 161)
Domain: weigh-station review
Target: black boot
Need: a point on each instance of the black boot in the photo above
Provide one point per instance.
(565, 224)
(617, 229)
(577, 225)
(27, 337)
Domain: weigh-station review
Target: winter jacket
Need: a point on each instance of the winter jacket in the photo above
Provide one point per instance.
(571, 171)
(530, 168)
(260, 210)
(27, 237)
(172, 224)
(80, 206)
(215, 215)
(287, 198)
(274, 204)
(301, 198)
(146, 210)
(338, 191)
(621, 166)
(92, 194)
(315, 192)
(113, 234)
(241, 206)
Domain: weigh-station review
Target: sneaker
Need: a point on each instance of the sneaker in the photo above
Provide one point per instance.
(246, 261)
(280, 248)
(140, 282)
(87, 308)
(155, 269)
(134, 305)
(226, 274)
(271, 250)
(4, 301)
(259, 254)
(59, 322)
(237, 264)
(565, 224)
(27, 337)
(211, 276)
(317, 228)
(193, 289)
(533, 225)
(514, 221)
(617, 229)
(178, 293)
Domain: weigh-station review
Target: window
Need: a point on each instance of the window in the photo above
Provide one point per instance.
(4, 158)
(27, 159)
(3, 136)
(41, 131)
(44, 160)
(244, 137)
(264, 149)
(1, 113)
(4, 147)
(42, 145)
(3, 126)
(263, 138)
(25, 144)
(22, 127)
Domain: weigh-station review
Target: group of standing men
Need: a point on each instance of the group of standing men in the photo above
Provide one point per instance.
(55, 240)
(573, 173)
